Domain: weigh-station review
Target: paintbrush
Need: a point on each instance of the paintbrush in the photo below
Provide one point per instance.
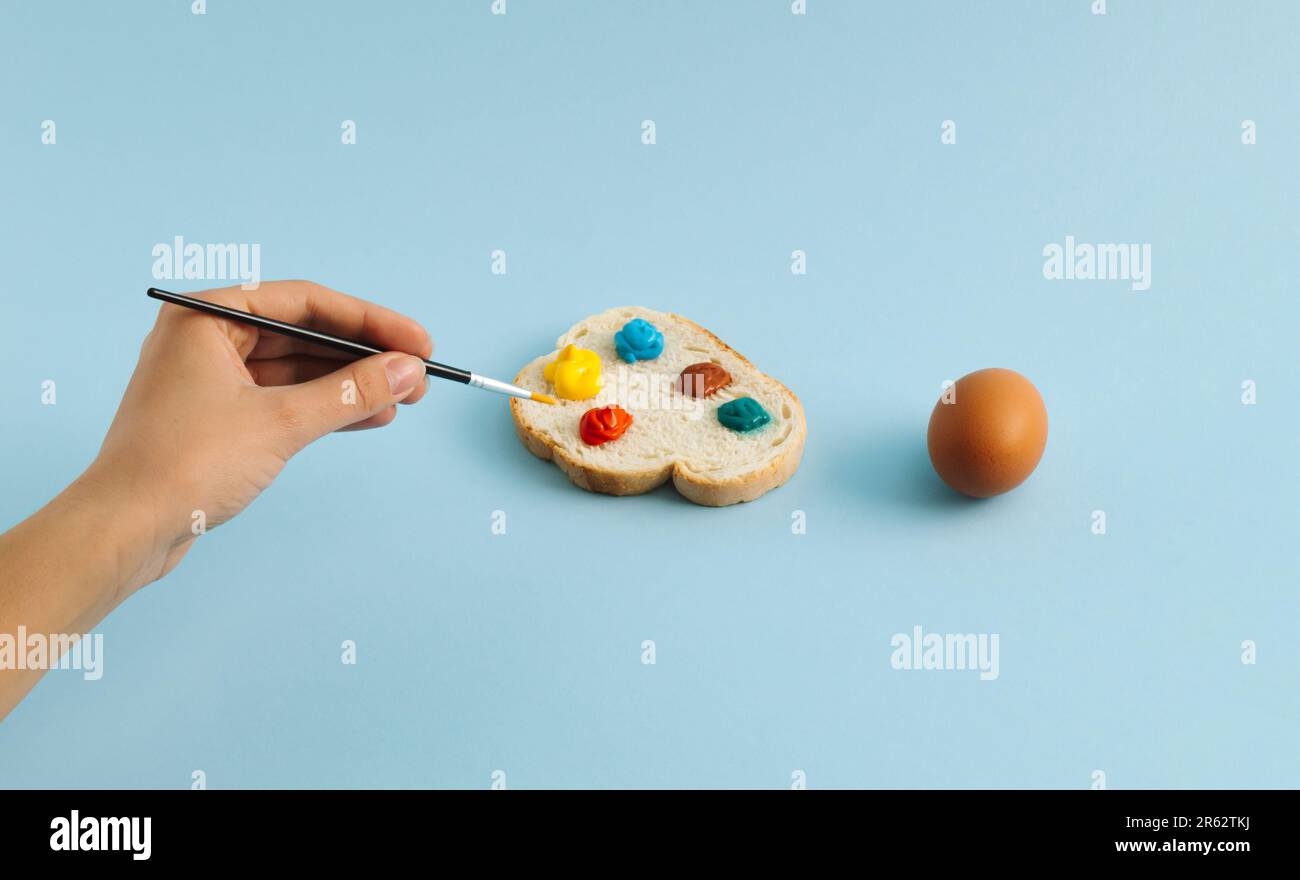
(351, 346)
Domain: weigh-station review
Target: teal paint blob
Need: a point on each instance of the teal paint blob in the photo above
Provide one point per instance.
(743, 414)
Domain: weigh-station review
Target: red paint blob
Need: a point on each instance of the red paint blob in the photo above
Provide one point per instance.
(603, 424)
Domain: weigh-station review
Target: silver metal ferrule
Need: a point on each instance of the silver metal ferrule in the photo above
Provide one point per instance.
(498, 386)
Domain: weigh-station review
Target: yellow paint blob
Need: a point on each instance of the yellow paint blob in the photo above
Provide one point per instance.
(575, 373)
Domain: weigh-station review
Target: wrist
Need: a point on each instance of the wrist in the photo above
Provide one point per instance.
(117, 524)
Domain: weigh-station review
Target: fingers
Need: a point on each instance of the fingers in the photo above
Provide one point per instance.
(290, 370)
(272, 345)
(361, 391)
(310, 304)
(294, 369)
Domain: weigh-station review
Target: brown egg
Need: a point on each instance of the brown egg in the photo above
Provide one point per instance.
(988, 432)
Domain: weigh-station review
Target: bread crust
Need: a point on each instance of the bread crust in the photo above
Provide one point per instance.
(695, 487)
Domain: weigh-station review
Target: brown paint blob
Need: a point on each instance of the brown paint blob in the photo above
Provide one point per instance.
(990, 436)
(702, 380)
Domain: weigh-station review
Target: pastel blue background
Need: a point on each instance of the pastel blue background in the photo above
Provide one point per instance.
(775, 133)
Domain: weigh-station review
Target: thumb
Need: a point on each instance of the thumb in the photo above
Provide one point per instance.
(358, 391)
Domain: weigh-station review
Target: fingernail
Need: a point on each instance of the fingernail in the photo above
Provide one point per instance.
(403, 373)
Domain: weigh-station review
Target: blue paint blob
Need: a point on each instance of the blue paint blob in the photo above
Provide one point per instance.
(639, 340)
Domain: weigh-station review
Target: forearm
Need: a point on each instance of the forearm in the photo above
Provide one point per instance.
(64, 568)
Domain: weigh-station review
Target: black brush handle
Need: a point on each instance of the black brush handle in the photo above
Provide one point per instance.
(306, 334)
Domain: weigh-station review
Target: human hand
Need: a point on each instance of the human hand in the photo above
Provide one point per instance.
(215, 408)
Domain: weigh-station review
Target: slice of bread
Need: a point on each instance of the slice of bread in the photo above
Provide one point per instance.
(672, 434)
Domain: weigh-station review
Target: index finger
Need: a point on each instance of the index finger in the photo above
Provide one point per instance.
(316, 306)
